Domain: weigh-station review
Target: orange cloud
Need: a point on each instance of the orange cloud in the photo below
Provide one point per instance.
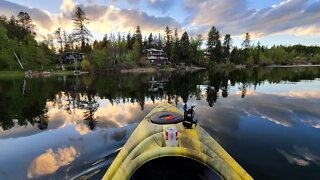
(50, 161)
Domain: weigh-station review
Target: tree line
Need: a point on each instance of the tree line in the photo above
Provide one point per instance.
(17, 35)
(129, 49)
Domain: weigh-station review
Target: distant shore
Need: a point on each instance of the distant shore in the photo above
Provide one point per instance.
(22, 73)
(289, 66)
(19, 73)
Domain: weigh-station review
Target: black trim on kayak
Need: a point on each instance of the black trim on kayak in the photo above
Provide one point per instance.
(174, 167)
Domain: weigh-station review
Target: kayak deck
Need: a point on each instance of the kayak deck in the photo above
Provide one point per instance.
(147, 143)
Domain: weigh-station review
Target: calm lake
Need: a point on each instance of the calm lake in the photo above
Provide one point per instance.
(66, 127)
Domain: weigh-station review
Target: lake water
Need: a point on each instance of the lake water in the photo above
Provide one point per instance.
(66, 127)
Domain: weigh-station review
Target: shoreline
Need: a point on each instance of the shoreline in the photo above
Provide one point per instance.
(17, 73)
(292, 66)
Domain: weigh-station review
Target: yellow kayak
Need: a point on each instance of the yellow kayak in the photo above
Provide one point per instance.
(163, 134)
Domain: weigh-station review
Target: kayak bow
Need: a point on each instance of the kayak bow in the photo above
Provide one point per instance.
(148, 142)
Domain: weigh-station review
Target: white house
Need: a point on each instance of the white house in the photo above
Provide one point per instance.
(156, 56)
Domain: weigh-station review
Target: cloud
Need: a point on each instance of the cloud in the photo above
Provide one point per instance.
(162, 5)
(298, 17)
(293, 17)
(103, 18)
(41, 18)
(68, 6)
(133, 1)
(50, 161)
(301, 156)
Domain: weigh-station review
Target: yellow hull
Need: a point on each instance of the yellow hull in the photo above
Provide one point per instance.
(147, 142)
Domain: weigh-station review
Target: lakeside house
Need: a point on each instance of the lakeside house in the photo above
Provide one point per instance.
(206, 54)
(156, 56)
(70, 57)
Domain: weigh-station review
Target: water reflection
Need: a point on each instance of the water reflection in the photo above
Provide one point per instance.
(50, 161)
(90, 117)
(85, 94)
(301, 156)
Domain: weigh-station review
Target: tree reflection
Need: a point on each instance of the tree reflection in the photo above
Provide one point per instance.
(91, 106)
(243, 89)
(73, 93)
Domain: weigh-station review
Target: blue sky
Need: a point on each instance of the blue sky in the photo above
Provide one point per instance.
(268, 21)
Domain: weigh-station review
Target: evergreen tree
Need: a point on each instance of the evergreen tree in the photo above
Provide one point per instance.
(136, 51)
(176, 47)
(58, 36)
(26, 23)
(137, 46)
(138, 36)
(168, 42)
(235, 55)
(129, 41)
(214, 45)
(150, 41)
(159, 42)
(227, 43)
(196, 52)
(185, 47)
(258, 54)
(246, 45)
(81, 32)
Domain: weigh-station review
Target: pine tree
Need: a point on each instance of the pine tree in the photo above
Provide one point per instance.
(138, 36)
(81, 33)
(58, 36)
(214, 45)
(137, 46)
(150, 41)
(246, 45)
(129, 41)
(159, 42)
(168, 42)
(176, 47)
(185, 47)
(227, 43)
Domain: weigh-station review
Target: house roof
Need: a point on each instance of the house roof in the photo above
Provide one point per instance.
(153, 49)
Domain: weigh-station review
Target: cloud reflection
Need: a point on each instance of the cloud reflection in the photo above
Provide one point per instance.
(301, 156)
(82, 129)
(50, 161)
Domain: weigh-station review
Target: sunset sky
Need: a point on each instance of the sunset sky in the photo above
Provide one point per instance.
(268, 21)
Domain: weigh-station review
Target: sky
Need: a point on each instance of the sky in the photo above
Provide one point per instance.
(270, 22)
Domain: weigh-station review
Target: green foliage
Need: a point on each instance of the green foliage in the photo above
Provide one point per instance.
(99, 56)
(214, 45)
(185, 48)
(136, 51)
(195, 50)
(227, 43)
(168, 43)
(18, 36)
(176, 51)
(86, 65)
(246, 45)
(315, 59)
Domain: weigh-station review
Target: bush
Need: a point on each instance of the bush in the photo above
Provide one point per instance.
(86, 65)
(315, 59)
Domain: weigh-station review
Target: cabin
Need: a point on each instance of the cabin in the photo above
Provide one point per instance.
(70, 57)
(156, 56)
(206, 54)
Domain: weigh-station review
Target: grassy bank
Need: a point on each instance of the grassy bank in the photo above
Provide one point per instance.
(5, 74)
(11, 73)
(61, 73)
